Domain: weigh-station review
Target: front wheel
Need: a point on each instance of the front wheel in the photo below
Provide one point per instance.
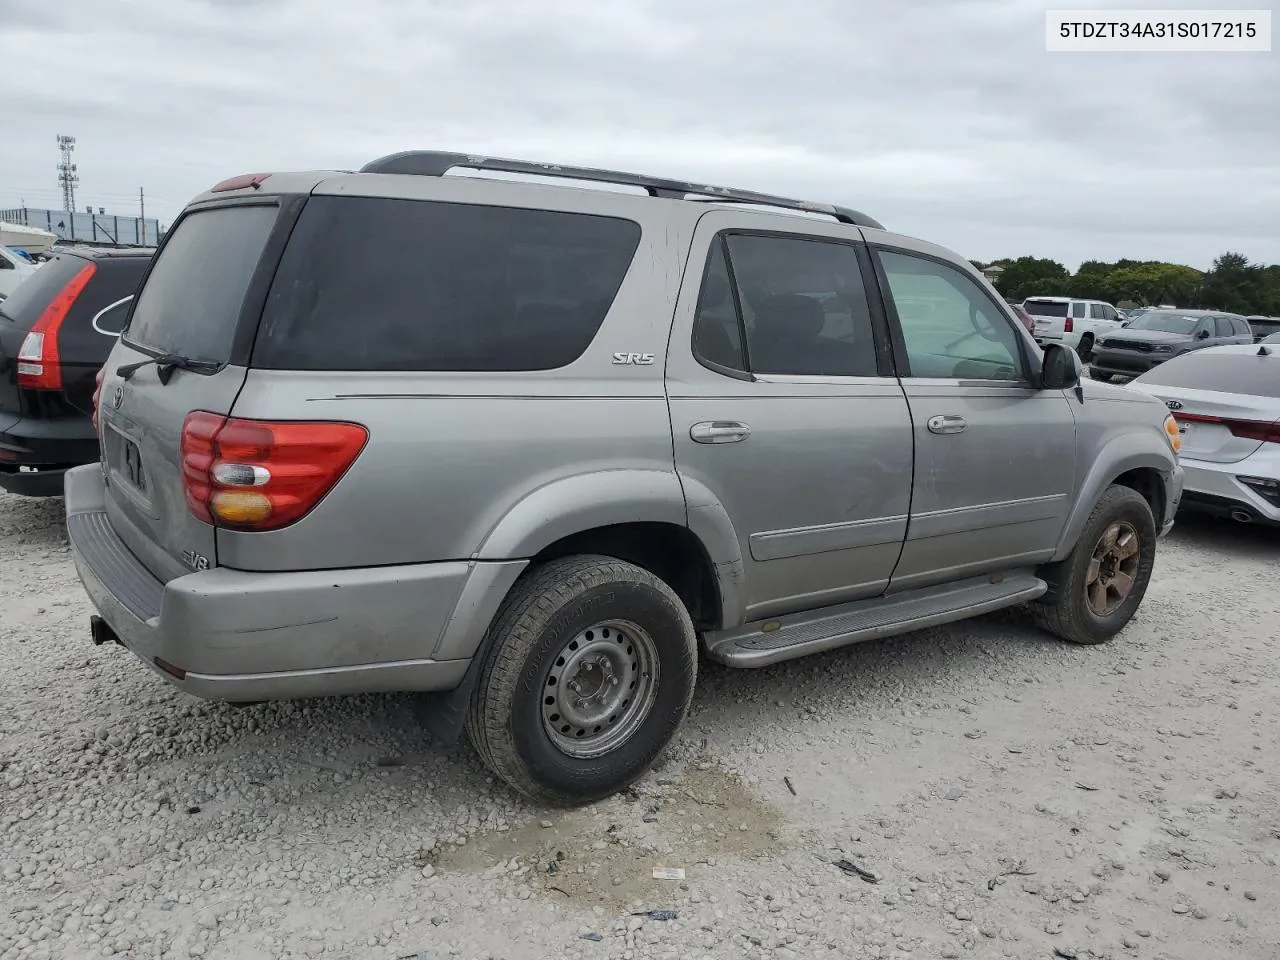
(1096, 590)
(589, 673)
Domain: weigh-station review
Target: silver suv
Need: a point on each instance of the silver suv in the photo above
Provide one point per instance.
(531, 446)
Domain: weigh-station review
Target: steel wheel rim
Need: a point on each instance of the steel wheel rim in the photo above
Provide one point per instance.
(1113, 568)
(600, 688)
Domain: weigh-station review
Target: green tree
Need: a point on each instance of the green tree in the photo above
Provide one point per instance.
(1029, 276)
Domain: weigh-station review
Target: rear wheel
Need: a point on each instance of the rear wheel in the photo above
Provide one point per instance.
(1096, 590)
(590, 672)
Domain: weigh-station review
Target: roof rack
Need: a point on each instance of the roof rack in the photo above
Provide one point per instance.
(434, 163)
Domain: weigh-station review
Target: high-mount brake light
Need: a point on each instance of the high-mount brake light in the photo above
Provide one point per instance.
(241, 182)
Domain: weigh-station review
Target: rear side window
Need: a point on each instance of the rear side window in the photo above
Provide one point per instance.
(191, 301)
(381, 284)
(1227, 373)
(803, 308)
(1096, 312)
(27, 302)
(1045, 308)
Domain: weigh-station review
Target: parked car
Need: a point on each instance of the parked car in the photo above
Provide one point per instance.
(396, 430)
(55, 333)
(1159, 335)
(1077, 324)
(14, 269)
(1227, 404)
(1263, 326)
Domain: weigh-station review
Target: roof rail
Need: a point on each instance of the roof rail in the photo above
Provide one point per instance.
(435, 163)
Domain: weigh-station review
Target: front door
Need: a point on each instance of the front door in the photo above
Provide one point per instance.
(995, 455)
(784, 414)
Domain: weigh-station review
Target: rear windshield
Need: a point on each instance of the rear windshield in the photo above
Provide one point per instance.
(1045, 308)
(26, 303)
(382, 284)
(1226, 373)
(191, 301)
(1165, 322)
(1264, 327)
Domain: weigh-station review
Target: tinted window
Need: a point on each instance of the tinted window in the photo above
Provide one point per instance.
(1225, 327)
(1045, 308)
(1166, 322)
(191, 301)
(1096, 312)
(33, 294)
(1228, 373)
(962, 334)
(381, 284)
(717, 332)
(803, 306)
(1077, 310)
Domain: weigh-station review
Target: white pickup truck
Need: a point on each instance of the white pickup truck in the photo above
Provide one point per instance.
(1077, 324)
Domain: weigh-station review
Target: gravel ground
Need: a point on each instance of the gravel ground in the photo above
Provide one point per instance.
(1004, 795)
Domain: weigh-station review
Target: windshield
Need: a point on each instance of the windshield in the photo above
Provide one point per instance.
(1045, 308)
(1166, 322)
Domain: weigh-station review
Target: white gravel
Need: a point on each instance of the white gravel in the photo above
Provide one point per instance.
(1014, 797)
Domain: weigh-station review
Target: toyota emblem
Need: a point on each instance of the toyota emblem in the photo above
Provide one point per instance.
(1171, 404)
(117, 396)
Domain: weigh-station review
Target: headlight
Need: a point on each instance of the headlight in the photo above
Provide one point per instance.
(1162, 348)
(1172, 433)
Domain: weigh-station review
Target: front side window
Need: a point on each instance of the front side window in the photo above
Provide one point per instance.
(784, 306)
(1225, 327)
(963, 335)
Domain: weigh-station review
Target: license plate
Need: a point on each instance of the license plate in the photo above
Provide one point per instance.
(133, 465)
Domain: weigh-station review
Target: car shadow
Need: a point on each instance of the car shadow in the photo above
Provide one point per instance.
(1246, 540)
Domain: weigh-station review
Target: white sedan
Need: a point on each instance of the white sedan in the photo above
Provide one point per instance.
(1227, 404)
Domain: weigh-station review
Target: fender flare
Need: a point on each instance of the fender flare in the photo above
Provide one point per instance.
(1120, 454)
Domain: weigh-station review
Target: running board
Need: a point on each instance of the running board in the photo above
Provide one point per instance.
(764, 642)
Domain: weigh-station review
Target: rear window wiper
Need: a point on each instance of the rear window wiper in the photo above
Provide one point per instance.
(166, 363)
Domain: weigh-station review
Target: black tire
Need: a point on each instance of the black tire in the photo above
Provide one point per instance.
(545, 611)
(1085, 348)
(1066, 611)
(1099, 375)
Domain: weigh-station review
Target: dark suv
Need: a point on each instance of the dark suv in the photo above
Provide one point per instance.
(56, 330)
(1159, 335)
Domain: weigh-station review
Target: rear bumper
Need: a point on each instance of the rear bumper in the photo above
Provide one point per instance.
(232, 635)
(46, 449)
(1217, 487)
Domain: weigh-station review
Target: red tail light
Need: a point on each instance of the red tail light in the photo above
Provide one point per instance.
(1068, 325)
(38, 364)
(261, 475)
(1258, 430)
(97, 396)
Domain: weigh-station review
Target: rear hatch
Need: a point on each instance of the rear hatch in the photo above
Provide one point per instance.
(199, 303)
(1227, 405)
(1050, 316)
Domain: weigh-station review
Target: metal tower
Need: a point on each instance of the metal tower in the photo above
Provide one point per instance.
(67, 178)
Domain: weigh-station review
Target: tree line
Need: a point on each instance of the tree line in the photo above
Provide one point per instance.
(1232, 284)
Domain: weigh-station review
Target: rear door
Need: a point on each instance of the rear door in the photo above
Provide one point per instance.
(784, 410)
(200, 300)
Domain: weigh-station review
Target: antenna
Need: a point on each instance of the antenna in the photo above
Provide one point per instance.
(67, 177)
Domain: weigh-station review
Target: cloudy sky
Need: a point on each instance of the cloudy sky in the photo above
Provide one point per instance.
(943, 119)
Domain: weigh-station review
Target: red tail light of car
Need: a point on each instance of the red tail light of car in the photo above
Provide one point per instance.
(38, 362)
(262, 475)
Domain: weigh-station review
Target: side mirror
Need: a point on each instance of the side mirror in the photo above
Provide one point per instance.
(1061, 369)
(1202, 335)
(1125, 323)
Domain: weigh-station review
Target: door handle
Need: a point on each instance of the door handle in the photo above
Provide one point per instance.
(719, 431)
(947, 424)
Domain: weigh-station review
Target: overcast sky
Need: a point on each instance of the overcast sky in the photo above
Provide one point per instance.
(943, 119)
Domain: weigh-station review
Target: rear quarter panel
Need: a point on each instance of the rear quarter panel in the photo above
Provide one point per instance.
(481, 465)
